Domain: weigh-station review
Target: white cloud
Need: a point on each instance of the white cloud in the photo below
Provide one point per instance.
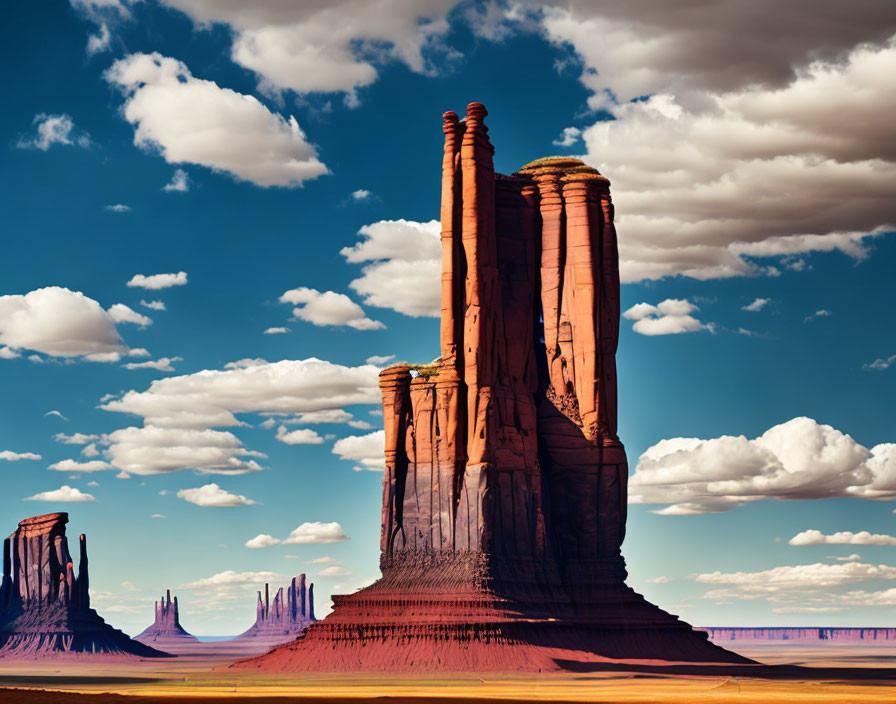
(748, 172)
(303, 436)
(64, 494)
(403, 256)
(307, 533)
(380, 359)
(669, 317)
(817, 314)
(153, 305)
(54, 129)
(321, 560)
(367, 450)
(881, 364)
(60, 323)
(213, 495)
(75, 466)
(122, 314)
(90, 450)
(159, 450)
(8, 353)
(328, 308)
(158, 515)
(816, 537)
(262, 540)
(158, 281)
(180, 182)
(10, 456)
(133, 352)
(660, 580)
(332, 415)
(276, 331)
(57, 414)
(361, 194)
(195, 121)
(316, 533)
(232, 578)
(790, 577)
(99, 42)
(570, 136)
(325, 46)
(334, 571)
(118, 208)
(359, 424)
(163, 364)
(757, 305)
(799, 459)
(210, 398)
(854, 557)
(75, 438)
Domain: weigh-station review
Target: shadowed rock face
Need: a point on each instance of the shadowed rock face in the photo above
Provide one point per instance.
(166, 632)
(504, 494)
(284, 618)
(44, 608)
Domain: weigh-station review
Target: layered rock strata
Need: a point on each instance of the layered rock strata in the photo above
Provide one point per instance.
(44, 607)
(166, 633)
(286, 616)
(504, 495)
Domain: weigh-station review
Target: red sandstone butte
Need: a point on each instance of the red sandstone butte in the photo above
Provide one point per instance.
(504, 496)
(284, 618)
(166, 633)
(44, 608)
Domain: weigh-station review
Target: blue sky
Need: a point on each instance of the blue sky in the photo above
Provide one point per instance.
(301, 147)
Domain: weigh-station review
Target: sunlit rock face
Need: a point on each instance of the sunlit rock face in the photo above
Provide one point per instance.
(166, 633)
(286, 616)
(44, 607)
(504, 495)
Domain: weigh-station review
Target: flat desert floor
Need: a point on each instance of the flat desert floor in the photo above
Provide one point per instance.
(204, 678)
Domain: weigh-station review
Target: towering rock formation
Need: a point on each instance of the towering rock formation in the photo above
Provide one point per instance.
(803, 634)
(284, 618)
(44, 608)
(166, 633)
(504, 496)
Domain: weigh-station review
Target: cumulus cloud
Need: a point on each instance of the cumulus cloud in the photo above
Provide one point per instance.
(881, 364)
(791, 577)
(118, 208)
(153, 305)
(232, 578)
(307, 533)
(64, 494)
(60, 323)
(276, 331)
(757, 305)
(213, 495)
(400, 256)
(328, 308)
(10, 456)
(99, 42)
(816, 315)
(158, 281)
(816, 537)
(54, 129)
(366, 450)
(570, 136)
(180, 182)
(799, 459)
(122, 314)
(320, 46)
(9, 353)
(380, 359)
(75, 466)
(361, 194)
(669, 317)
(75, 438)
(751, 172)
(159, 450)
(334, 571)
(195, 121)
(162, 364)
(303, 436)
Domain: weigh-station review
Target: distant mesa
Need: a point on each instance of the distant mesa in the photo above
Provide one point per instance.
(44, 608)
(505, 484)
(166, 633)
(284, 618)
(802, 634)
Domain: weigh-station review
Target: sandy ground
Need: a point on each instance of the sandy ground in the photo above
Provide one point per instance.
(205, 678)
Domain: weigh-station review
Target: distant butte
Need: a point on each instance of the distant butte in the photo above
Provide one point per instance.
(166, 633)
(284, 618)
(44, 608)
(505, 489)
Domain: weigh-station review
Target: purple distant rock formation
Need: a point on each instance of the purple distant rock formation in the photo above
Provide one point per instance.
(44, 608)
(287, 616)
(166, 632)
(803, 634)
